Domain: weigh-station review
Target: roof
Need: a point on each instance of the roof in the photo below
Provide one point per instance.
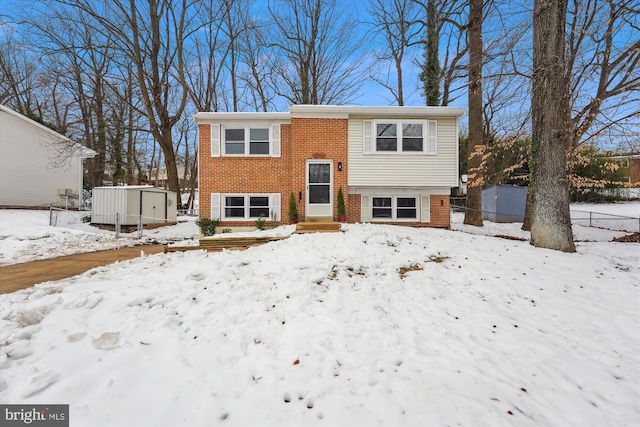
(79, 149)
(335, 112)
(346, 111)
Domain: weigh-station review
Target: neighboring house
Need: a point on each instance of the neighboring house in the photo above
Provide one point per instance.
(38, 167)
(629, 165)
(159, 178)
(395, 164)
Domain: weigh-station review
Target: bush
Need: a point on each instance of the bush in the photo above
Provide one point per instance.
(208, 226)
(260, 223)
(293, 210)
(342, 212)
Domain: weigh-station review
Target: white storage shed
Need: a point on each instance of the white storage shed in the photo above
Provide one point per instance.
(128, 203)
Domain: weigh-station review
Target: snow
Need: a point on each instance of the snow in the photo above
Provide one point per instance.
(25, 235)
(378, 325)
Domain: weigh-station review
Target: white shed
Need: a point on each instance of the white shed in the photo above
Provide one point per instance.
(128, 203)
(38, 166)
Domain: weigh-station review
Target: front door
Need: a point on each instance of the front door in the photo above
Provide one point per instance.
(319, 188)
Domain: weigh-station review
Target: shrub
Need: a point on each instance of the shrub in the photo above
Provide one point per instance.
(342, 212)
(208, 226)
(260, 223)
(293, 210)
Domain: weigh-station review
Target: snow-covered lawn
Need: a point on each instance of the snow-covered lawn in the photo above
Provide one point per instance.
(378, 325)
(25, 235)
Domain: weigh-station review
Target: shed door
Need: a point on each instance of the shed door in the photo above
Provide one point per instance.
(153, 206)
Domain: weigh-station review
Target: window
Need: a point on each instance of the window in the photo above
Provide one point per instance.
(400, 136)
(259, 141)
(246, 141)
(391, 208)
(234, 141)
(382, 207)
(259, 206)
(386, 137)
(250, 206)
(234, 207)
(412, 138)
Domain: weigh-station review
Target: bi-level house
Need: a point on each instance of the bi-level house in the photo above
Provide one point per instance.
(395, 164)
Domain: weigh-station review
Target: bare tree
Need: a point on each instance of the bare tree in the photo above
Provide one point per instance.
(205, 56)
(151, 35)
(394, 21)
(552, 130)
(603, 58)
(318, 52)
(256, 70)
(444, 21)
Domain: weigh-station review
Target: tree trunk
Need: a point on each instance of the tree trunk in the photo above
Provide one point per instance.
(431, 72)
(473, 213)
(551, 125)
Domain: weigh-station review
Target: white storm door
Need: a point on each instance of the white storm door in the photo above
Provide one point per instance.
(319, 188)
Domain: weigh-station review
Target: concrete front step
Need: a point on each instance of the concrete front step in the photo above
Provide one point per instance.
(318, 227)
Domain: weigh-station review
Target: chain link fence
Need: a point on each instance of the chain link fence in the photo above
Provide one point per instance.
(59, 217)
(587, 226)
(119, 223)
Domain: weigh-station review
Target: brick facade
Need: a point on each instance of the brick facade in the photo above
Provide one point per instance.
(302, 139)
(318, 139)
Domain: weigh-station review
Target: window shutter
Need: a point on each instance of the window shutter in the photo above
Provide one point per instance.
(275, 205)
(432, 137)
(367, 138)
(425, 208)
(215, 140)
(365, 208)
(275, 141)
(215, 206)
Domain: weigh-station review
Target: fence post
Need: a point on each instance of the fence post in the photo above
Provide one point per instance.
(50, 216)
(117, 225)
(140, 226)
(590, 215)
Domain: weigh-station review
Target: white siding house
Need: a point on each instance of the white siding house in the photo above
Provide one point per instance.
(38, 167)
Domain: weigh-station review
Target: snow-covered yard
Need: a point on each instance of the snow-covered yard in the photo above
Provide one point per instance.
(378, 325)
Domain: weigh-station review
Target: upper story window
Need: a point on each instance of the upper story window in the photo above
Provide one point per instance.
(246, 141)
(235, 140)
(400, 136)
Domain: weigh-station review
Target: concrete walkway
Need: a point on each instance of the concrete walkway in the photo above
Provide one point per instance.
(20, 276)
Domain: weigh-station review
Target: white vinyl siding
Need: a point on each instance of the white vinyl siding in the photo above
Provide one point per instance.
(249, 207)
(37, 166)
(406, 169)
